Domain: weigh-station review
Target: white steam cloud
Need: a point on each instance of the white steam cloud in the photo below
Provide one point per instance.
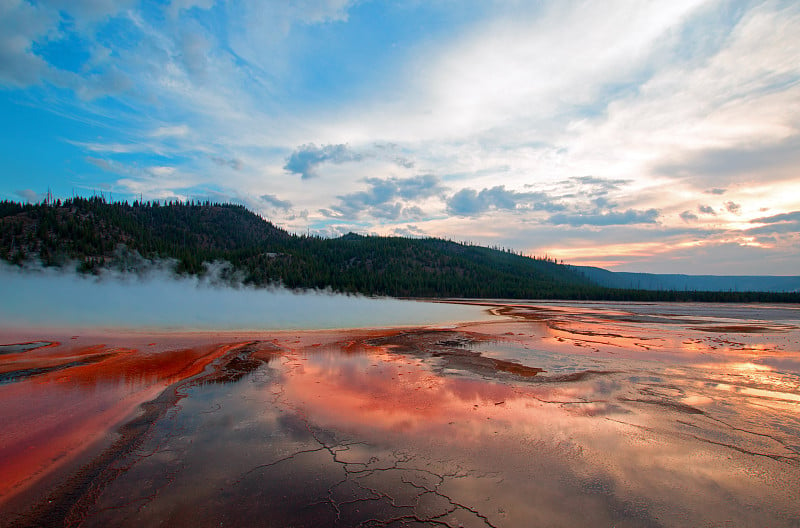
(158, 300)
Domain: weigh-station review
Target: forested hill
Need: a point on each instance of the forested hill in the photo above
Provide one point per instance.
(93, 232)
(664, 281)
(96, 234)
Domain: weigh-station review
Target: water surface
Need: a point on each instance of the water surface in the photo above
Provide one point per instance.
(551, 414)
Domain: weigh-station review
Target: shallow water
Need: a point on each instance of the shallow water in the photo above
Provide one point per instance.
(550, 414)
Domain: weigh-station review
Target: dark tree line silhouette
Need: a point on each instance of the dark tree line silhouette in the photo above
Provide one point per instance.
(93, 232)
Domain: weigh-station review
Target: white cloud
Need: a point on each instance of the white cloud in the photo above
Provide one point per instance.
(743, 96)
(176, 6)
(28, 195)
(194, 49)
(520, 72)
(88, 11)
(539, 68)
(259, 28)
(171, 131)
(155, 183)
(20, 25)
(306, 158)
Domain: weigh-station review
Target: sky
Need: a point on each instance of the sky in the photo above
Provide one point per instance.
(637, 135)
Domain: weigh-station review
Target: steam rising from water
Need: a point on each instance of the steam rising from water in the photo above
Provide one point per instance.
(49, 298)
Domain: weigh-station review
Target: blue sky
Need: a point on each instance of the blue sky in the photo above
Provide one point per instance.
(634, 135)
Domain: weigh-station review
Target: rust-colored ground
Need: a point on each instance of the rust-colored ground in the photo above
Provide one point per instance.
(60, 401)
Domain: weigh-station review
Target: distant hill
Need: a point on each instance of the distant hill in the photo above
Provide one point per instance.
(92, 234)
(719, 283)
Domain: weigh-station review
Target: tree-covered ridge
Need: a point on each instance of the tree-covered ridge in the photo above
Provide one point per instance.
(93, 233)
(90, 230)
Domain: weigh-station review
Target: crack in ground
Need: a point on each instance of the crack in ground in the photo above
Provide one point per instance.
(355, 472)
(779, 458)
(765, 435)
(794, 461)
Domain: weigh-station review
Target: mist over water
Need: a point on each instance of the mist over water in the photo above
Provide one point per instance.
(158, 299)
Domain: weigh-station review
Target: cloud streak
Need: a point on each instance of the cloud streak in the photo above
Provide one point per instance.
(390, 199)
(306, 158)
(469, 202)
(610, 218)
(274, 201)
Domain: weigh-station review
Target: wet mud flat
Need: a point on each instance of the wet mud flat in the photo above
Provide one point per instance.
(550, 415)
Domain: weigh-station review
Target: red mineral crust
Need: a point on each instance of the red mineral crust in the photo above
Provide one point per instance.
(62, 401)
